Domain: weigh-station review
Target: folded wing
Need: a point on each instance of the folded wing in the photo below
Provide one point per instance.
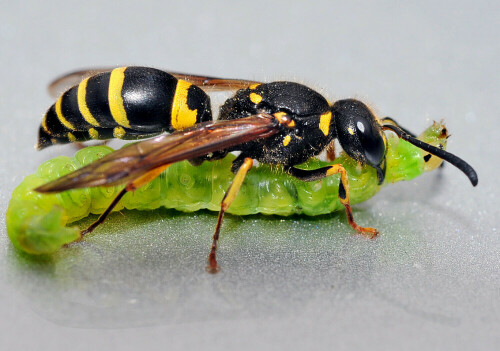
(131, 162)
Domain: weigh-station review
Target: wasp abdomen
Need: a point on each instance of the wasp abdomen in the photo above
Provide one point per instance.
(126, 103)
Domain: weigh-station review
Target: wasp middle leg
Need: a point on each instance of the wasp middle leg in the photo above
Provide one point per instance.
(320, 173)
(231, 193)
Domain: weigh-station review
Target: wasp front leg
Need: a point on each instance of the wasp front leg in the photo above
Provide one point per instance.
(344, 196)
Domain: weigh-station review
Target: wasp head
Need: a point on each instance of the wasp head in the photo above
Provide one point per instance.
(359, 134)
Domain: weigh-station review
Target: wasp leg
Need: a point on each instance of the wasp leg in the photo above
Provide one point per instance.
(316, 174)
(389, 120)
(134, 185)
(330, 151)
(231, 193)
(105, 214)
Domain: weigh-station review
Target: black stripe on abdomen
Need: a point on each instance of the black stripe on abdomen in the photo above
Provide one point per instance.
(52, 125)
(71, 111)
(96, 98)
(147, 98)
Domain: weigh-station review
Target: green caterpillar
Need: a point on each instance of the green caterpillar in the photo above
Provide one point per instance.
(36, 223)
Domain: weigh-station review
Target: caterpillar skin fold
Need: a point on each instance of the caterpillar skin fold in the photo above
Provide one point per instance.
(39, 223)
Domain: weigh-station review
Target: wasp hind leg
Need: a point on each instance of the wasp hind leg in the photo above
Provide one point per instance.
(133, 185)
(230, 195)
(320, 173)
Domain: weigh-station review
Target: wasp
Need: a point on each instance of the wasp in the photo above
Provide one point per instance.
(279, 123)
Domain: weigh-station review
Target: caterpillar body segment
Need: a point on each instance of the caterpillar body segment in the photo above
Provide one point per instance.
(38, 223)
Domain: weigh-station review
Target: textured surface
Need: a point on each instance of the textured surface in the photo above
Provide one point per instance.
(431, 280)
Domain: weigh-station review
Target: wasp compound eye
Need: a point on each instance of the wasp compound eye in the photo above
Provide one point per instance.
(358, 132)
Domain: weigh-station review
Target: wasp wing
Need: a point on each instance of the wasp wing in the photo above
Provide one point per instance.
(213, 83)
(69, 80)
(207, 83)
(130, 162)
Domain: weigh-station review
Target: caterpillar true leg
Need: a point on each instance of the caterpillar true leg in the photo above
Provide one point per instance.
(316, 174)
(137, 183)
(226, 202)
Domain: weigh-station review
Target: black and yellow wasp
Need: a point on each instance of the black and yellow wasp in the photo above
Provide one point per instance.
(281, 123)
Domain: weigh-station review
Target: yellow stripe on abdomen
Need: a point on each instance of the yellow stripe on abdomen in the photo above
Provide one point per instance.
(93, 133)
(115, 98)
(82, 104)
(182, 116)
(44, 124)
(60, 115)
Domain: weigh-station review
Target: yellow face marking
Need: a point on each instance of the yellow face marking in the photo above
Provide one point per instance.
(324, 122)
(60, 115)
(82, 104)
(182, 116)
(255, 98)
(286, 140)
(119, 132)
(253, 86)
(291, 124)
(115, 98)
(71, 137)
(350, 130)
(94, 134)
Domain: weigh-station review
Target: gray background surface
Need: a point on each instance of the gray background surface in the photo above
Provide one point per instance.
(430, 281)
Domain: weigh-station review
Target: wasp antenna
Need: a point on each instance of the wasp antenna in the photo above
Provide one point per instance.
(447, 156)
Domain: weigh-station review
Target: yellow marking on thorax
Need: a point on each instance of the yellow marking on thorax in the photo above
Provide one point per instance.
(286, 140)
(279, 116)
(119, 132)
(290, 123)
(255, 98)
(324, 122)
(94, 134)
(182, 115)
(82, 104)
(350, 130)
(71, 137)
(115, 98)
(253, 86)
(60, 115)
